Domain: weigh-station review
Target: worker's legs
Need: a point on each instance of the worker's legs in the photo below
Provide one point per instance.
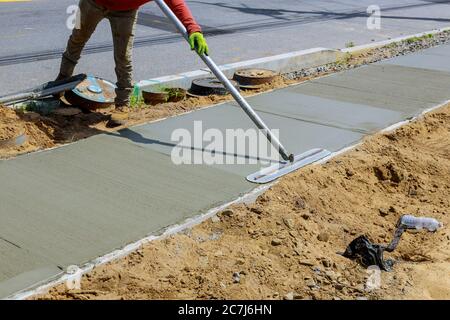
(90, 15)
(122, 27)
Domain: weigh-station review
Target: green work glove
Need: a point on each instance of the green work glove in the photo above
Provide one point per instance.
(198, 43)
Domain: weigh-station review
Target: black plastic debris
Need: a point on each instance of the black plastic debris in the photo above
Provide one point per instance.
(368, 254)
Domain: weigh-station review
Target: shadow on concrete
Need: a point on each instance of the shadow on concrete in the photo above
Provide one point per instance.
(136, 137)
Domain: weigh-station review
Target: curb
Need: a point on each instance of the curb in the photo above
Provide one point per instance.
(283, 63)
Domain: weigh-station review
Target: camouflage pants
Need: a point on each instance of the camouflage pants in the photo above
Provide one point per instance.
(122, 27)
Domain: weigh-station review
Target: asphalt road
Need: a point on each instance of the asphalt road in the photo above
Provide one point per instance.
(34, 33)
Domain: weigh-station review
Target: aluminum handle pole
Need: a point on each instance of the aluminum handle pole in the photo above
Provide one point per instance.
(234, 92)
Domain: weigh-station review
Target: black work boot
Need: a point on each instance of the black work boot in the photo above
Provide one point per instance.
(60, 77)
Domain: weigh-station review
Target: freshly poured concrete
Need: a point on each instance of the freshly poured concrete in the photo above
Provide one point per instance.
(73, 204)
(332, 113)
(435, 59)
(20, 268)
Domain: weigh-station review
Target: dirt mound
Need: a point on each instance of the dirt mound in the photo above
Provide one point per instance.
(287, 244)
(13, 123)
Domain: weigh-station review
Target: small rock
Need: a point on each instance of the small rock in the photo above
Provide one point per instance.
(306, 262)
(289, 296)
(349, 172)
(297, 296)
(339, 286)
(276, 242)
(316, 269)
(267, 233)
(310, 283)
(330, 274)
(236, 277)
(215, 219)
(326, 263)
(227, 212)
(300, 203)
(256, 210)
(392, 209)
(383, 212)
(323, 236)
(289, 223)
(306, 216)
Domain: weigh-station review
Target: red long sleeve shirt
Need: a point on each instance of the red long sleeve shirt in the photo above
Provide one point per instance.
(179, 7)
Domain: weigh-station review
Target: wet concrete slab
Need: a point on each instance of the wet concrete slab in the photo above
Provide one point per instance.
(344, 115)
(415, 94)
(437, 60)
(408, 108)
(296, 135)
(422, 79)
(75, 203)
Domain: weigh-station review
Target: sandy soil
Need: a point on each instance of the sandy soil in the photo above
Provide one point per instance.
(287, 244)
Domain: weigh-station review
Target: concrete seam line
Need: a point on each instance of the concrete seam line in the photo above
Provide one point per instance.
(194, 221)
(391, 128)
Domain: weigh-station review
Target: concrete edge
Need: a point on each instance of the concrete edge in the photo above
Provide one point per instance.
(282, 63)
(247, 198)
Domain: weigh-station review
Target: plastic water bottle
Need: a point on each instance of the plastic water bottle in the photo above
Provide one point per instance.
(419, 223)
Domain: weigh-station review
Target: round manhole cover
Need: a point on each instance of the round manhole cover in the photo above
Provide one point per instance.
(254, 78)
(209, 86)
(92, 93)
